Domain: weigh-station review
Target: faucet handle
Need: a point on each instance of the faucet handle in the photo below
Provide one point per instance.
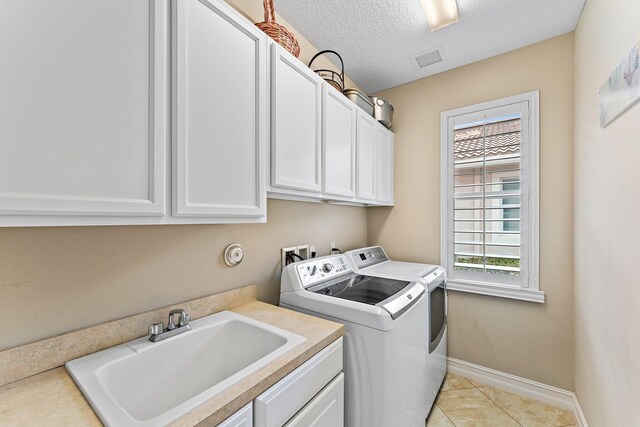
(184, 319)
(156, 328)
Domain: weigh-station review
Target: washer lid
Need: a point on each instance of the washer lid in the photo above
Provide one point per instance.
(400, 270)
(394, 296)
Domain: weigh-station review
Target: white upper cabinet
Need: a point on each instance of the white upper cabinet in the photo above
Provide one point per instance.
(219, 87)
(366, 157)
(339, 144)
(384, 165)
(296, 111)
(83, 111)
(162, 112)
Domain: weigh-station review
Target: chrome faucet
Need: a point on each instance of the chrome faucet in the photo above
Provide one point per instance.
(158, 333)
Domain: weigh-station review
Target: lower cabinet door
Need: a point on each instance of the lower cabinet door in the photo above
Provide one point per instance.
(326, 409)
(242, 418)
(286, 398)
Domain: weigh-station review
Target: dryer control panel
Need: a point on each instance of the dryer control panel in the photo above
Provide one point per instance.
(315, 271)
(368, 256)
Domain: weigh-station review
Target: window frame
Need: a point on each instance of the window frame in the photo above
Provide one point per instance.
(528, 288)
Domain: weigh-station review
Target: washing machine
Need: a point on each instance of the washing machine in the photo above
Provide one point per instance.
(374, 261)
(384, 340)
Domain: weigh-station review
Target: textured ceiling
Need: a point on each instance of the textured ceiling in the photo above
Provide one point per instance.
(378, 38)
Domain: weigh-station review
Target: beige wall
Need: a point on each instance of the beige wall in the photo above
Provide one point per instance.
(527, 339)
(53, 280)
(57, 279)
(607, 227)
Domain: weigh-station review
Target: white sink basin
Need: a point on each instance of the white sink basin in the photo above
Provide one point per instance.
(141, 383)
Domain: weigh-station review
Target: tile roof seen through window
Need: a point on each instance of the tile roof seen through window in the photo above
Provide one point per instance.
(502, 138)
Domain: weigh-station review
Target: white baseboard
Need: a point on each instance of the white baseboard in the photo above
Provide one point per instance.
(581, 421)
(522, 386)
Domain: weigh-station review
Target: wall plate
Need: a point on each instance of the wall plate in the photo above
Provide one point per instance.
(301, 250)
(234, 254)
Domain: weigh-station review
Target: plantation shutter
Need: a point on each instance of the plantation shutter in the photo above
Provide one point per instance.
(486, 210)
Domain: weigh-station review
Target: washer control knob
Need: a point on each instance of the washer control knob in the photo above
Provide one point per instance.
(327, 267)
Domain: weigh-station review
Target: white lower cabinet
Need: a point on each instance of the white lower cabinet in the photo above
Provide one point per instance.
(242, 418)
(312, 395)
(324, 410)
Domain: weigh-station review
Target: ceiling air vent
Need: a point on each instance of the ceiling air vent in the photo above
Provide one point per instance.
(429, 57)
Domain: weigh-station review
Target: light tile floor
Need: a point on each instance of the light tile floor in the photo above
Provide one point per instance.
(463, 402)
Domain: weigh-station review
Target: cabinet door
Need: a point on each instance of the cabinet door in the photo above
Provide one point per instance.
(296, 109)
(83, 108)
(326, 409)
(366, 154)
(384, 165)
(282, 401)
(219, 76)
(242, 418)
(339, 143)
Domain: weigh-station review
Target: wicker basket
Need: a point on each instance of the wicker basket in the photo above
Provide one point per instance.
(277, 32)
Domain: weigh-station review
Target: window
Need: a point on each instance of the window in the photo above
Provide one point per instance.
(489, 230)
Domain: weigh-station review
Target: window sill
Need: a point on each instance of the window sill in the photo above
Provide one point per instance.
(494, 290)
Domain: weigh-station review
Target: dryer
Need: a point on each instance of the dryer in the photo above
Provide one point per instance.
(374, 261)
(384, 340)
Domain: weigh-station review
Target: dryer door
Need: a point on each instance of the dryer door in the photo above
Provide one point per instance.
(437, 315)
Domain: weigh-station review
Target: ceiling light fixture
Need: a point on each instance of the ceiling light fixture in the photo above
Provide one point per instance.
(440, 13)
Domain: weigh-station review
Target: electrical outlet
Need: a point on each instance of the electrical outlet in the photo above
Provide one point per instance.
(312, 251)
(303, 251)
(333, 246)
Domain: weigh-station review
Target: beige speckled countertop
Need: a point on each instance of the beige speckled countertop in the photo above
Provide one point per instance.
(51, 398)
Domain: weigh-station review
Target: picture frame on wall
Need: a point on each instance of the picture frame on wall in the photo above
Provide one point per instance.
(622, 89)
